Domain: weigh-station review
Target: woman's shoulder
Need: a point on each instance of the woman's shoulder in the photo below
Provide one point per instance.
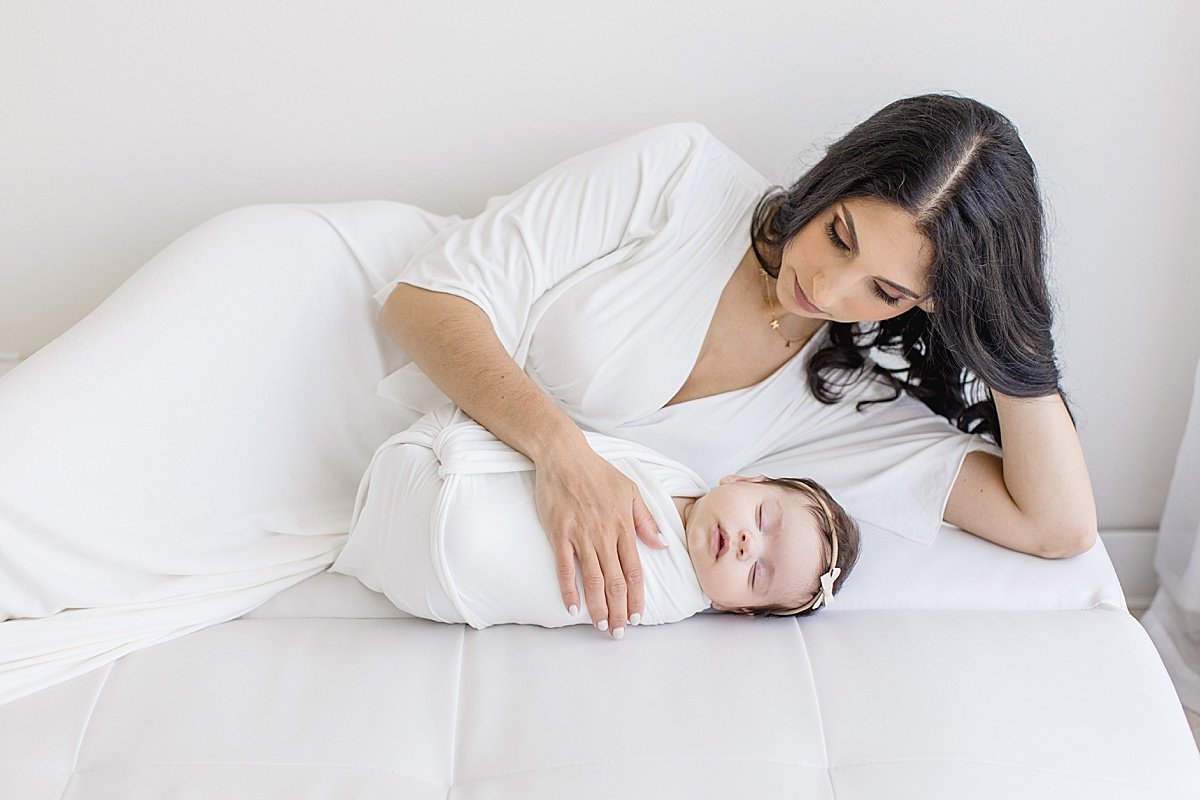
(694, 139)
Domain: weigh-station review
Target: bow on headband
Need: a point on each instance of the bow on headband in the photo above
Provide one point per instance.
(826, 594)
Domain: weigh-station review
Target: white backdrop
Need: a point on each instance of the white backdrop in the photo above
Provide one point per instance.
(123, 124)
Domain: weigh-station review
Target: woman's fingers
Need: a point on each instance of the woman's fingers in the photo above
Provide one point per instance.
(615, 592)
(612, 581)
(593, 586)
(592, 513)
(643, 522)
(564, 555)
(631, 566)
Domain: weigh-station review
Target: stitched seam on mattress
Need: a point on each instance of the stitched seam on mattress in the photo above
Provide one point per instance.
(287, 764)
(648, 760)
(361, 264)
(108, 670)
(1008, 765)
(458, 704)
(817, 705)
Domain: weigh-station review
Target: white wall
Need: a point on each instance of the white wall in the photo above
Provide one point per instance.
(125, 123)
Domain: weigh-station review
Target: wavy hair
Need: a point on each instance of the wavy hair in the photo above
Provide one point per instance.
(960, 169)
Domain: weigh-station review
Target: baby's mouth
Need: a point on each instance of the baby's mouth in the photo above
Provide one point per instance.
(720, 542)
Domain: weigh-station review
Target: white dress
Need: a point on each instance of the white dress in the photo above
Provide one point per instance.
(210, 421)
(446, 526)
(601, 277)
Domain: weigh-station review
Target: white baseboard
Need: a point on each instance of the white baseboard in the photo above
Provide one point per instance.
(1132, 553)
(8, 361)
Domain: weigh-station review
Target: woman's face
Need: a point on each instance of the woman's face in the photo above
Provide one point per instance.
(754, 544)
(859, 260)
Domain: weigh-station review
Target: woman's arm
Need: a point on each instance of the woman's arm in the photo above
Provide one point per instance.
(589, 509)
(1038, 499)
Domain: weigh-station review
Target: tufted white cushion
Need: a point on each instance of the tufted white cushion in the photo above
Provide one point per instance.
(348, 700)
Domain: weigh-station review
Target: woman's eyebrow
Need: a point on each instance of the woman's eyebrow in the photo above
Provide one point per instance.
(854, 244)
(850, 227)
(899, 288)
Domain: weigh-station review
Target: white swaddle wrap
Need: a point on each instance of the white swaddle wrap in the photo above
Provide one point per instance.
(445, 524)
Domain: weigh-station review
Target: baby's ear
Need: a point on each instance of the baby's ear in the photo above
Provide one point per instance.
(742, 479)
(727, 609)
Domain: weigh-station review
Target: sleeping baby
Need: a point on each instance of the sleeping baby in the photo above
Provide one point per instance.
(445, 525)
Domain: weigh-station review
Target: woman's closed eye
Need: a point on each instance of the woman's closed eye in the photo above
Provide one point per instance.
(831, 232)
(884, 296)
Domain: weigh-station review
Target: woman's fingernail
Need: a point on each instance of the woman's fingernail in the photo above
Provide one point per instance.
(618, 633)
(663, 539)
(573, 611)
(634, 619)
(602, 624)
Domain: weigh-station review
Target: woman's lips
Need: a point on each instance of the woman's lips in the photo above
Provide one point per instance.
(804, 302)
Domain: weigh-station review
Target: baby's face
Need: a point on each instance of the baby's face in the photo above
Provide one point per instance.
(753, 544)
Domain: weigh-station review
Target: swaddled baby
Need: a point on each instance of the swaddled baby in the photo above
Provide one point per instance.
(445, 524)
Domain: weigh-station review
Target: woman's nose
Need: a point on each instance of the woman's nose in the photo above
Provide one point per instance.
(829, 287)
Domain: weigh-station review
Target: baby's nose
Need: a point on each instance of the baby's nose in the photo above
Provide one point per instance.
(743, 545)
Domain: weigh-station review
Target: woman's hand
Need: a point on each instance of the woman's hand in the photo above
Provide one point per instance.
(592, 512)
(589, 509)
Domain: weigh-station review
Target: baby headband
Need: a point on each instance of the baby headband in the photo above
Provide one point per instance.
(824, 595)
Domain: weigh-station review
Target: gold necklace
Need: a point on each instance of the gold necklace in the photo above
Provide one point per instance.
(771, 305)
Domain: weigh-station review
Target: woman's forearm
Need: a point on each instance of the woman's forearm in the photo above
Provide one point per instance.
(1038, 498)
(1044, 468)
(453, 342)
(590, 510)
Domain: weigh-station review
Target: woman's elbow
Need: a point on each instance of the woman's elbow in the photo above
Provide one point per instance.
(1068, 541)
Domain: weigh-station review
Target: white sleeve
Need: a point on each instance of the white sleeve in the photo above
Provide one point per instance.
(891, 465)
(524, 243)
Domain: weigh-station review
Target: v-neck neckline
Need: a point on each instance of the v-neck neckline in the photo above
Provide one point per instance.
(740, 243)
(817, 334)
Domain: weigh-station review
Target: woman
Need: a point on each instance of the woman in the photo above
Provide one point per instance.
(658, 289)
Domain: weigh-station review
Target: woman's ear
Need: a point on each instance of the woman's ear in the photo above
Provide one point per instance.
(926, 305)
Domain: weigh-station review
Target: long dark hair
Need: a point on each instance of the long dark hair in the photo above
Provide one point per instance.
(961, 170)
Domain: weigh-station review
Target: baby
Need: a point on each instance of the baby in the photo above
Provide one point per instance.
(446, 526)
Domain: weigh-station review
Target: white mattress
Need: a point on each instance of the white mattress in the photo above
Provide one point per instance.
(329, 691)
(960, 670)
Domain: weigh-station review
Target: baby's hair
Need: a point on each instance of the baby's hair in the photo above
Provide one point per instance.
(836, 523)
